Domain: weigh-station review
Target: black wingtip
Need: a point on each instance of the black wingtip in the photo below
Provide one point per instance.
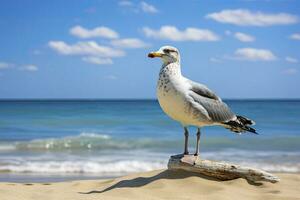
(256, 133)
(252, 130)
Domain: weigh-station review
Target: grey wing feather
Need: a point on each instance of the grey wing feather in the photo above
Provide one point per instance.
(203, 90)
(217, 110)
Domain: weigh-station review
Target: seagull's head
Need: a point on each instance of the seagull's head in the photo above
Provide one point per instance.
(168, 54)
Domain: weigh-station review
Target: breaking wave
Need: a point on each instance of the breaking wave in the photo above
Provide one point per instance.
(98, 142)
(104, 155)
(86, 141)
(115, 168)
(130, 162)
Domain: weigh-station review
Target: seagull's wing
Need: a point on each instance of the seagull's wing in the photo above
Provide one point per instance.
(216, 109)
(202, 90)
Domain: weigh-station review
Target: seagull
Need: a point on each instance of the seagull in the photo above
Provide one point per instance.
(191, 103)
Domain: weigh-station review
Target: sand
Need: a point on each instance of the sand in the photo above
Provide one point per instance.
(160, 184)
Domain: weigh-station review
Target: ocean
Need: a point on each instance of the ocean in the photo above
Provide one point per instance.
(42, 140)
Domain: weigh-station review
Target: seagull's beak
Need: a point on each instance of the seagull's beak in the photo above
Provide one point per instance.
(154, 54)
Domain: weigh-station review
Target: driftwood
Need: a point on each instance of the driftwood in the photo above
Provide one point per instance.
(219, 170)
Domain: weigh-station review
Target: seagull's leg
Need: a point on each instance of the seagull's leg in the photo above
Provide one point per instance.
(186, 136)
(198, 141)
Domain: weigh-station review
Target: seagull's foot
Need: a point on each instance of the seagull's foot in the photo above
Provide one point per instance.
(196, 154)
(186, 153)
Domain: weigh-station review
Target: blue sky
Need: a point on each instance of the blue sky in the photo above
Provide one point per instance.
(98, 49)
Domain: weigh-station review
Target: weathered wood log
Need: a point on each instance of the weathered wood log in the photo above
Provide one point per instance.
(219, 170)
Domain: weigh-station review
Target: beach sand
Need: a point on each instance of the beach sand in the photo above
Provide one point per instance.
(160, 184)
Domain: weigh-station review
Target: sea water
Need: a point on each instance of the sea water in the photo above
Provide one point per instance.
(108, 138)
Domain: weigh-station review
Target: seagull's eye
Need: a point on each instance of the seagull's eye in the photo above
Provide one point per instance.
(169, 51)
(166, 51)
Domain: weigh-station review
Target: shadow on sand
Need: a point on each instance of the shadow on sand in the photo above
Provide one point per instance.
(141, 181)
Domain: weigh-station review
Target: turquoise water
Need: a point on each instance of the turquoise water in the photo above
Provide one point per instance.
(115, 137)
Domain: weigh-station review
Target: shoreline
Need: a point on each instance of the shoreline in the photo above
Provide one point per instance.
(158, 184)
(45, 178)
(8, 177)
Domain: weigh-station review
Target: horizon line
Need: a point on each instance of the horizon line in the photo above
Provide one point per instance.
(134, 99)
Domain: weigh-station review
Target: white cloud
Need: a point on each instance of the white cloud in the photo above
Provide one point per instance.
(295, 36)
(139, 7)
(173, 34)
(291, 60)
(125, 3)
(5, 65)
(290, 71)
(252, 54)
(129, 43)
(85, 48)
(100, 31)
(244, 37)
(243, 17)
(97, 60)
(148, 8)
(30, 68)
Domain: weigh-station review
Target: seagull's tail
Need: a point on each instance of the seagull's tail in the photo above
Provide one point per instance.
(240, 124)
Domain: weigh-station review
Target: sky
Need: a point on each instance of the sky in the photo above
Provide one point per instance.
(98, 49)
